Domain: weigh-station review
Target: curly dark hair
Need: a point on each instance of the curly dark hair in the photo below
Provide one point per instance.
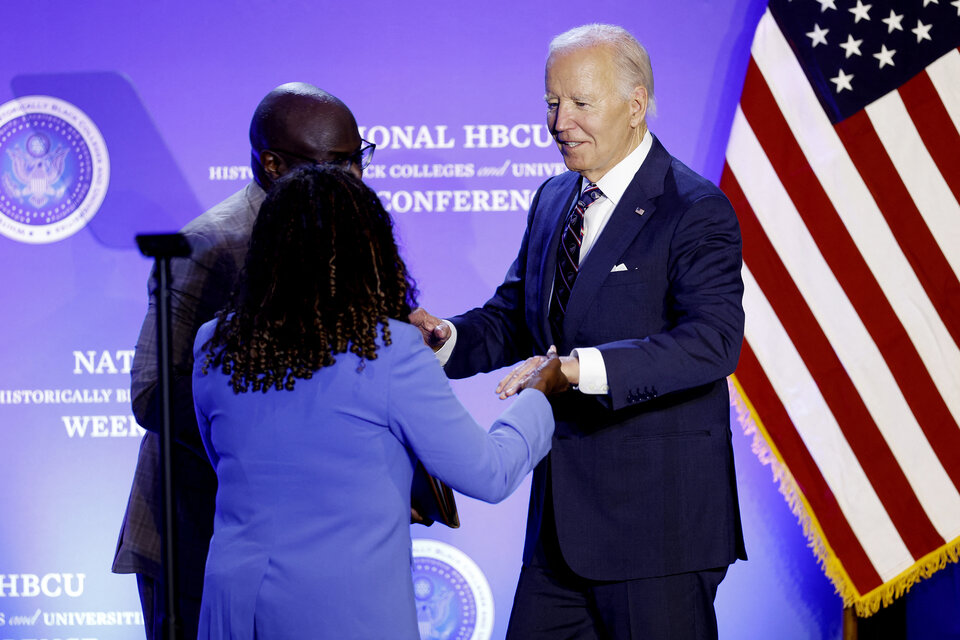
(322, 277)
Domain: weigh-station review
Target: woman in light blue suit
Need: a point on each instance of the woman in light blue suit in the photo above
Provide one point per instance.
(314, 400)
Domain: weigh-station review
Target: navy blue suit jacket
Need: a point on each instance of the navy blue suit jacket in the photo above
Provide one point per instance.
(642, 478)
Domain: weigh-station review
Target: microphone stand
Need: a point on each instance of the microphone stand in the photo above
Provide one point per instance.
(163, 247)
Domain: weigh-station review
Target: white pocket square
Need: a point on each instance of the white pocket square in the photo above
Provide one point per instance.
(619, 267)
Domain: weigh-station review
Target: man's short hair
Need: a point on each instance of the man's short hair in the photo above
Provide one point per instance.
(630, 58)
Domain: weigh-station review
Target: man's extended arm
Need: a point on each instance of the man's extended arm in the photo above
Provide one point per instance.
(701, 340)
(703, 307)
(491, 336)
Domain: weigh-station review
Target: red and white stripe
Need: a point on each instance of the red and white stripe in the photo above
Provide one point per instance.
(852, 273)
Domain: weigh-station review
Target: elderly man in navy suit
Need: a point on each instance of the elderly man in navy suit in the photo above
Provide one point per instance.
(631, 264)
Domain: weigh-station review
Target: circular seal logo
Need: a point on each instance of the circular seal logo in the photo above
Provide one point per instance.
(453, 598)
(54, 169)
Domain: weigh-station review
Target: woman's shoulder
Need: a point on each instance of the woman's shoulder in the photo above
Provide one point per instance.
(407, 337)
(204, 333)
(407, 354)
(404, 331)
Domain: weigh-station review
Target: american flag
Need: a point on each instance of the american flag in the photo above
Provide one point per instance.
(844, 168)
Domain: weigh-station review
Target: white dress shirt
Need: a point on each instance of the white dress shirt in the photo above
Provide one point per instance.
(593, 372)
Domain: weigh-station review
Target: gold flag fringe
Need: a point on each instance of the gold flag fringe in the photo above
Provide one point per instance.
(865, 604)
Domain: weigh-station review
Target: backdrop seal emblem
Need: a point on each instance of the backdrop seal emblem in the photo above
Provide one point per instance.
(54, 169)
(454, 600)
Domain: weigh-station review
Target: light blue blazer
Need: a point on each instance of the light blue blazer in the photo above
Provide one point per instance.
(312, 525)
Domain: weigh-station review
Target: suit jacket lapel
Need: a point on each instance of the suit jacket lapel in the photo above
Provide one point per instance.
(634, 209)
(553, 218)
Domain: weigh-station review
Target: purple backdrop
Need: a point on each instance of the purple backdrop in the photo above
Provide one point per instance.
(171, 87)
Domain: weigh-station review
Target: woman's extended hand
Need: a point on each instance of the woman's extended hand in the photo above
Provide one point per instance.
(538, 372)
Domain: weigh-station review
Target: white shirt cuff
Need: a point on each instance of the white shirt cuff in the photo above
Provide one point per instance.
(593, 373)
(443, 353)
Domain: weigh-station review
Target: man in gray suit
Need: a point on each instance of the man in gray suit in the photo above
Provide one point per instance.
(296, 123)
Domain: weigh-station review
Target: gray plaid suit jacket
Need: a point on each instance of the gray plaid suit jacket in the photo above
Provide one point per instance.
(200, 286)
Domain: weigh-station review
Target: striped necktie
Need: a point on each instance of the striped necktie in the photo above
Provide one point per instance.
(568, 258)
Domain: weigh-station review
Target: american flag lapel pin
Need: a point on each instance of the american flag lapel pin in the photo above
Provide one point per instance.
(638, 211)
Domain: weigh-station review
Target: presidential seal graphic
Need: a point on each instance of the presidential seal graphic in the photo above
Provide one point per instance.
(54, 169)
(453, 598)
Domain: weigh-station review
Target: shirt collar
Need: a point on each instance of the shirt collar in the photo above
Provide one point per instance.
(616, 181)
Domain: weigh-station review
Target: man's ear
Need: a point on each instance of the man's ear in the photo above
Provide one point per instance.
(638, 106)
(272, 164)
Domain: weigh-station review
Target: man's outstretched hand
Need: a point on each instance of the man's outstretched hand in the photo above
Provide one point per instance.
(435, 332)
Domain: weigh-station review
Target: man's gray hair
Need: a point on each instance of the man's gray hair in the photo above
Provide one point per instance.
(630, 58)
